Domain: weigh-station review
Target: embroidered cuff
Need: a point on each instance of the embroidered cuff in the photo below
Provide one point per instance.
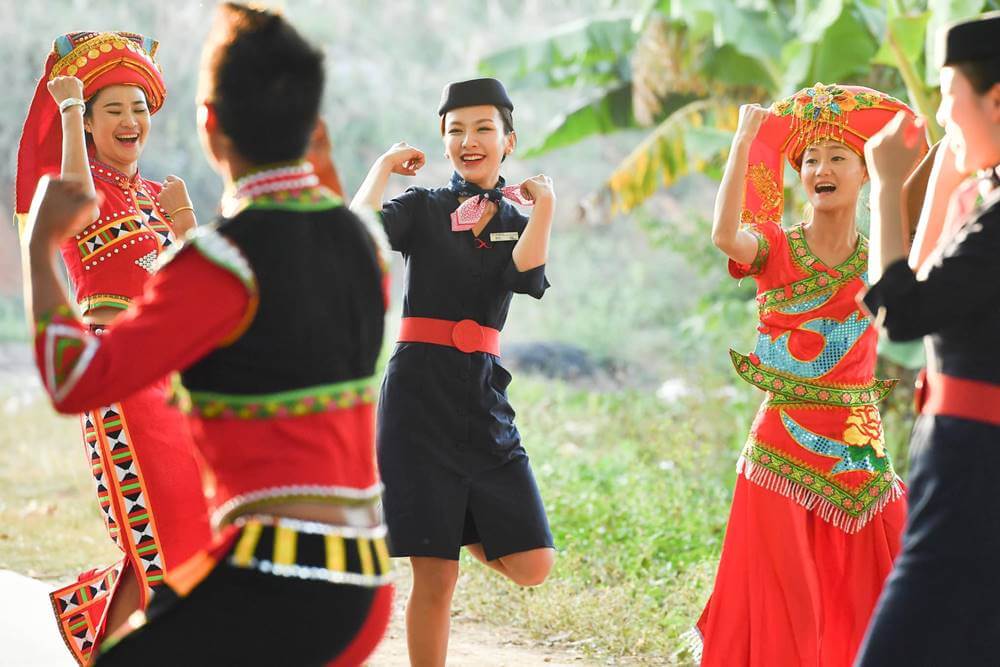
(737, 270)
(63, 350)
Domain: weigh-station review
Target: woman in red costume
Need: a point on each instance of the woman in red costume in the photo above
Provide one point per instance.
(818, 510)
(89, 119)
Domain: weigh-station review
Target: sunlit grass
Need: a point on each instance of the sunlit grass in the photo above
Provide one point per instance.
(50, 523)
(637, 493)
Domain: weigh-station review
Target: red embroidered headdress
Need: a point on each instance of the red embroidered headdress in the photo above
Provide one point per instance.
(848, 114)
(99, 59)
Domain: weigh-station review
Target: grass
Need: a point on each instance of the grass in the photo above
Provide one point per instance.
(637, 493)
(50, 523)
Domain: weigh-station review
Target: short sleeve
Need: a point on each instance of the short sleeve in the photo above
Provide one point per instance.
(400, 216)
(766, 234)
(531, 282)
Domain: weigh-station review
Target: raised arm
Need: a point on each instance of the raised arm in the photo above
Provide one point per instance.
(175, 201)
(401, 159)
(75, 163)
(891, 155)
(941, 184)
(739, 245)
(209, 288)
(532, 249)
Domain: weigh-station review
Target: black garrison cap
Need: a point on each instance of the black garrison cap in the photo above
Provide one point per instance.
(972, 40)
(473, 93)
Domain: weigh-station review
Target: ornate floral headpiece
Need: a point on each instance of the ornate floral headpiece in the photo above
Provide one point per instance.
(99, 60)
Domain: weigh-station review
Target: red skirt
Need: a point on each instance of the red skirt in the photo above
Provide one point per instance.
(149, 490)
(792, 589)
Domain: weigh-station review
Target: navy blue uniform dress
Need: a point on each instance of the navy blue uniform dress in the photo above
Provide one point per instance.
(941, 604)
(449, 453)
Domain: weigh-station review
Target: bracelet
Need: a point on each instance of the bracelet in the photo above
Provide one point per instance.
(182, 208)
(71, 102)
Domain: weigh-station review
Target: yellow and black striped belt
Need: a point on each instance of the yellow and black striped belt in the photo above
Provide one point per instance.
(310, 550)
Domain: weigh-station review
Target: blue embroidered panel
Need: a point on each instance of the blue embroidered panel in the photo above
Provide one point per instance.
(839, 338)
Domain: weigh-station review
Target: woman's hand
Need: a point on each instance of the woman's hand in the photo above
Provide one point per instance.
(175, 201)
(63, 88)
(752, 116)
(60, 208)
(403, 159)
(893, 151)
(174, 195)
(538, 188)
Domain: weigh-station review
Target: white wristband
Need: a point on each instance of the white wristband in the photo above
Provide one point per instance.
(71, 102)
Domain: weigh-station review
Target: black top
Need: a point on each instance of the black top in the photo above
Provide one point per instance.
(453, 275)
(437, 399)
(320, 313)
(957, 304)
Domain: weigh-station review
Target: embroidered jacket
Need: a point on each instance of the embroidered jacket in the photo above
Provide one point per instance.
(110, 260)
(818, 435)
(274, 315)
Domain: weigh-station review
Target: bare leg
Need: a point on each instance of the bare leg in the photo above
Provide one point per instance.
(428, 611)
(525, 568)
(126, 600)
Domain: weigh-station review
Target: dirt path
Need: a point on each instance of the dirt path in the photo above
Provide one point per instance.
(30, 638)
(473, 643)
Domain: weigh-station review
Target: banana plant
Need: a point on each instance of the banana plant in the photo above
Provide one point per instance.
(682, 67)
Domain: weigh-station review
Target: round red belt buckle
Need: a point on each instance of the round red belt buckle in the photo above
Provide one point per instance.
(467, 336)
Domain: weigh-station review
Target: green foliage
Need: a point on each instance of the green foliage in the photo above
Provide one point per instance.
(592, 51)
(637, 492)
(610, 111)
(745, 51)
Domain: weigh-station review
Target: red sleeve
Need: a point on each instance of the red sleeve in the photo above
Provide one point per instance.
(766, 234)
(191, 306)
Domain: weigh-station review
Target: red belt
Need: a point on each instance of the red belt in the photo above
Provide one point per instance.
(467, 335)
(948, 396)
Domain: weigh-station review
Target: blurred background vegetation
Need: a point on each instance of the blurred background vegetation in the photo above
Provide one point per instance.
(637, 420)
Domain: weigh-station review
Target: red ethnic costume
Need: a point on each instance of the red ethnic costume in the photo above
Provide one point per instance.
(139, 448)
(283, 310)
(818, 510)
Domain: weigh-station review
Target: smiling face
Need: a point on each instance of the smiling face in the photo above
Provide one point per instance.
(118, 122)
(475, 142)
(832, 175)
(971, 121)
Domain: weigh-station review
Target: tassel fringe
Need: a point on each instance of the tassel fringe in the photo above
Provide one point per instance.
(824, 508)
(692, 644)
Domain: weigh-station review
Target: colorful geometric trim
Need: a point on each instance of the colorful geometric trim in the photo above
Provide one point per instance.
(308, 550)
(87, 55)
(821, 279)
(292, 187)
(785, 387)
(306, 200)
(66, 351)
(310, 400)
(848, 510)
(760, 258)
(121, 491)
(92, 301)
(80, 608)
(116, 232)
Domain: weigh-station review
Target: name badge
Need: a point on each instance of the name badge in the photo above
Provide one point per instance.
(504, 236)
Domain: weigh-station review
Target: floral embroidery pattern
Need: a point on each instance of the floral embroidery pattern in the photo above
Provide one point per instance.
(864, 429)
(786, 388)
(325, 398)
